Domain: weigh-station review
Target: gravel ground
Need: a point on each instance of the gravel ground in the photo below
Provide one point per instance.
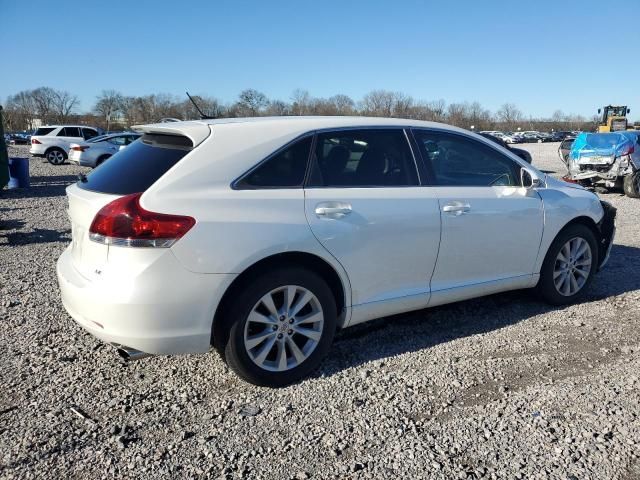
(498, 387)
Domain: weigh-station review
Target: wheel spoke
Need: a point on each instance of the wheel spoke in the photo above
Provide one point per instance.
(301, 303)
(307, 332)
(256, 340)
(267, 301)
(264, 350)
(297, 353)
(573, 284)
(582, 273)
(282, 356)
(289, 296)
(311, 318)
(255, 317)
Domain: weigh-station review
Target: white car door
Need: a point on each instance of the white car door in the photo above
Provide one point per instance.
(365, 206)
(491, 225)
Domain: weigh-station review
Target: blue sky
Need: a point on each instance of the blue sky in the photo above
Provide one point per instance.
(541, 55)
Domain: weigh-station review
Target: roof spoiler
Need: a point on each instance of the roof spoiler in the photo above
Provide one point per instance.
(195, 131)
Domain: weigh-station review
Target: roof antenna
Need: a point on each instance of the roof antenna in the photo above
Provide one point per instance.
(202, 115)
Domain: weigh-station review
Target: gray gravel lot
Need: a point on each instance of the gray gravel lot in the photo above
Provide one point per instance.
(498, 387)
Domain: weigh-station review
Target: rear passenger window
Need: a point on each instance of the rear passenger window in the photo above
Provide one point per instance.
(456, 160)
(69, 132)
(363, 158)
(285, 169)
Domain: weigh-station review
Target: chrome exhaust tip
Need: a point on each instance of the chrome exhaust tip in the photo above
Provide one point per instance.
(130, 354)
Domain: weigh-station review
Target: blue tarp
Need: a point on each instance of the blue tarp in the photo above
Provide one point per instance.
(603, 144)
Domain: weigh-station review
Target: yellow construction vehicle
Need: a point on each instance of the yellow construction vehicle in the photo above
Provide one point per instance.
(613, 118)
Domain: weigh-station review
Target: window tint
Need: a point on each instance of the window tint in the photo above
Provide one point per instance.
(69, 132)
(43, 131)
(285, 169)
(88, 133)
(363, 158)
(461, 161)
(138, 166)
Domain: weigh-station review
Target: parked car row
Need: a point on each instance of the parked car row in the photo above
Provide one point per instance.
(87, 146)
(261, 237)
(530, 136)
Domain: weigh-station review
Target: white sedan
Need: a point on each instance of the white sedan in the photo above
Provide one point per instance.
(261, 237)
(96, 150)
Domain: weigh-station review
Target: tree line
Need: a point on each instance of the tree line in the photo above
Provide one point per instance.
(113, 110)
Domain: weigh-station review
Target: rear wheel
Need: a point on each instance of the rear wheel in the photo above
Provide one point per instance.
(631, 185)
(568, 268)
(56, 156)
(280, 327)
(102, 159)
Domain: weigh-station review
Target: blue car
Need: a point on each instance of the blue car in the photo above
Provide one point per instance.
(610, 160)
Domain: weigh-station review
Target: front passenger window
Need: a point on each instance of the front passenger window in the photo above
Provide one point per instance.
(456, 160)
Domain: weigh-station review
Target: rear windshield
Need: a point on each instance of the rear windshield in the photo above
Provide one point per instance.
(44, 131)
(138, 166)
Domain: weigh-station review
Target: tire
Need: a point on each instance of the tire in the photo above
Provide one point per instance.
(548, 287)
(101, 160)
(254, 350)
(631, 185)
(56, 156)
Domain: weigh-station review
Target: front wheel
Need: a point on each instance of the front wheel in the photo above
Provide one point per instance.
(280, 327)
(55, 156)
(632, 185)
(568, 268)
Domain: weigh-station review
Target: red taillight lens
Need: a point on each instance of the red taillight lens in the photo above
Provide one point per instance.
(80, 148)
(568, 179)
(124, 222)
(35, 141)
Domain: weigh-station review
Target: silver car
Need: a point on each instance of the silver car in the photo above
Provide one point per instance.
(96, 150)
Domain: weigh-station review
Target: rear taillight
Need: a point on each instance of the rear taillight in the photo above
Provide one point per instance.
(35, 141)
(568, 179)
(125, 223)
(80, 148)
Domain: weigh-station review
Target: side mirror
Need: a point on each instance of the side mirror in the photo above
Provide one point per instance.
(529, 179)
(628, 110)
(599, 110)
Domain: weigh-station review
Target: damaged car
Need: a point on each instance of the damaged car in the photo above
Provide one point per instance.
(610, 160)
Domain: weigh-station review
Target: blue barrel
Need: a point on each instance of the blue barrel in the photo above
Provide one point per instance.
(18, 172)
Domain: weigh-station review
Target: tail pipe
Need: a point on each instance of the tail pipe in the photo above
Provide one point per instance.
(131, 354)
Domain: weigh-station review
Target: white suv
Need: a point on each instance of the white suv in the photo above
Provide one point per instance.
(54, 141)
(261, 237)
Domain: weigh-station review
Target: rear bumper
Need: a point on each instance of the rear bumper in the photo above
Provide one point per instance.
(162, 309)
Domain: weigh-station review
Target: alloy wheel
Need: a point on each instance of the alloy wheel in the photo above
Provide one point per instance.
(283, 328)
(572, 266)
(56, 157)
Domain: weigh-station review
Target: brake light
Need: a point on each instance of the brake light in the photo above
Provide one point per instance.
(568, 179)
(35, 141)
(125, 223)
(80, 148)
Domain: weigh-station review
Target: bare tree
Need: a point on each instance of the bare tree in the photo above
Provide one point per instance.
(342, 104)
(510, 115)
(277, 108)
(301, 102)
(64, 103)
(251, 102)
(108, 104)
(44, 99)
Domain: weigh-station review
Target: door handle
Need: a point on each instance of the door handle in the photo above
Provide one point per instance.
(456, 208)
(333, 209)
